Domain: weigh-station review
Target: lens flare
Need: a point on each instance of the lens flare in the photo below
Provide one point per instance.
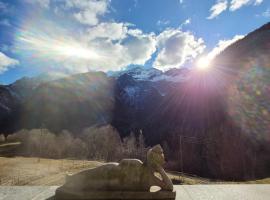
(203, 63)
(49, 45)
(55, 47)
(249, 100)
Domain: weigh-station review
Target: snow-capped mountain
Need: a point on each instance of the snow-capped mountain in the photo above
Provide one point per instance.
(155, 75)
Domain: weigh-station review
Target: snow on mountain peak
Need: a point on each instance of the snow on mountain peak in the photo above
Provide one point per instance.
(154, 75)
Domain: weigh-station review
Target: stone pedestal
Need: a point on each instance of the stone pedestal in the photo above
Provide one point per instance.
(62, 194)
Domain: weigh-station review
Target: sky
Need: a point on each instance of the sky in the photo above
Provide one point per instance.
(76, 36)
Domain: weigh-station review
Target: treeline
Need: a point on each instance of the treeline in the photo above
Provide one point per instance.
(94, 143)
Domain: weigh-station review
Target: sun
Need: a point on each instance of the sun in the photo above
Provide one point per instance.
(203, 63)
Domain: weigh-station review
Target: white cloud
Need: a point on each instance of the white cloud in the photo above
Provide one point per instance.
(136, 49)
(84, 11)
(112, 31)
(223, 44)
(87, 11)
(237, 4)
(222, 5)
(105, 47)
(187, 21)
(175, 47)
(140, 48)
(118, 46)
(218, 8)
(6, 62)
(41, 3)
(181, 1)
(258, 2)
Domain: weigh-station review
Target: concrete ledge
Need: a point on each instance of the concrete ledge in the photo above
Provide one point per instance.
(62, 194)
(183, 192)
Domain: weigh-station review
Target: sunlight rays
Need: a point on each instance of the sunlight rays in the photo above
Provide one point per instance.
(203, 63)
(46, 45)
(54, 47)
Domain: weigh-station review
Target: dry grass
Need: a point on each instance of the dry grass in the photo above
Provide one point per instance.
(260, 181)
(35, 171)
(187, 180)
(178, 178)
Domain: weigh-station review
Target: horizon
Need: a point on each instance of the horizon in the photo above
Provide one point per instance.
(79, 36)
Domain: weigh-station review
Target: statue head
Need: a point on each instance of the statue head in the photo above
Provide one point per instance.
(155, 157)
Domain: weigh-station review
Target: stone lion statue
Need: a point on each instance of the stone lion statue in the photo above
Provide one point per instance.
(128, 175)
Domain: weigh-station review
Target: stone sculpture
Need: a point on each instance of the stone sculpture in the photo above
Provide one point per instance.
(129, 179)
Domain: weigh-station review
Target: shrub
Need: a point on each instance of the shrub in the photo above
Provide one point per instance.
(96, 143)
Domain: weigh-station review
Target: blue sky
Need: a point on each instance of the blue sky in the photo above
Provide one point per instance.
(74, 36)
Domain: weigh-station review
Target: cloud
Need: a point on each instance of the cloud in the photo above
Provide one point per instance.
(6, 62)
(218, 8)
(222, 5)
(112, 31)
(41, 3)
(104, 47)
(258, 2)
(136, 48)
(175, 47)
(117, 51)
(237, 4)
(140, 47)
(84, 11)
(186, 22)
(87, 11)
(181, 1)
(221, 45)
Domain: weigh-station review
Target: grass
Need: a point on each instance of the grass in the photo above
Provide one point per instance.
(178, 178)
(35, 171)
(187, 180)
(260, 181)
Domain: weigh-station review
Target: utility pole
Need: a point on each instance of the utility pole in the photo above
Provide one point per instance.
(181, 152)
(40, 147)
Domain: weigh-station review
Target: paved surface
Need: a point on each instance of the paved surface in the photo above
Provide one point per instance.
(183, 192)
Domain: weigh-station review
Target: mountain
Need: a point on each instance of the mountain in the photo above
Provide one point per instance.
(9, 105)
(219, 119)
(155, 75)
(72, 103)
